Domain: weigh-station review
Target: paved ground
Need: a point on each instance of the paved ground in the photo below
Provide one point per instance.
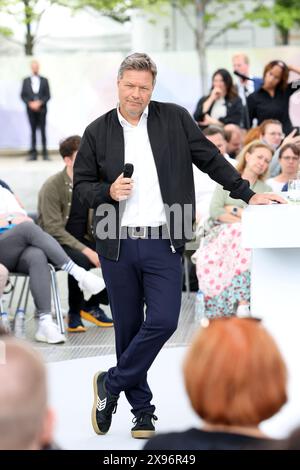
(25, 179)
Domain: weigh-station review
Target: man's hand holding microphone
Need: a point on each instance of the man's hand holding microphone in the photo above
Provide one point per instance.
(123, 185)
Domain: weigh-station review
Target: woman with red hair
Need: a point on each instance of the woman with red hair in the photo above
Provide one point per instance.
(235, 378)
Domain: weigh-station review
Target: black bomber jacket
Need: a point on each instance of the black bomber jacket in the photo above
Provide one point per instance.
(176, 143)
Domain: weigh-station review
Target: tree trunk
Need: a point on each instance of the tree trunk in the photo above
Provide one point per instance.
(200, 43)
(285, 36)
(29, 43)
(29, 38)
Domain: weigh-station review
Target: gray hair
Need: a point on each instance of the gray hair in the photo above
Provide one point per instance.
(138, 61)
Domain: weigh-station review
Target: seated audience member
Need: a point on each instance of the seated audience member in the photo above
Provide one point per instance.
(272, 134)
(64, 217)
(235, 378)
(271, 101)
(288, 159)
(26, 248)
(204, 185)
(26, 421)
(234, 140)
(222, 265)
(5, 185)
(217, 136)
(222, 106)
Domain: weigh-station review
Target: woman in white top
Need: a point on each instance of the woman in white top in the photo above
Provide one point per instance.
(26, 248)
(289, 163)
(222, 106)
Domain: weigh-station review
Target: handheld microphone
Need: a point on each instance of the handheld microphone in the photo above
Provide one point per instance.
(241, 75)
(128, 170)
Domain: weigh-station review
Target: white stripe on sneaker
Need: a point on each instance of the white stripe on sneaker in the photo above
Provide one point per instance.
(101, 404)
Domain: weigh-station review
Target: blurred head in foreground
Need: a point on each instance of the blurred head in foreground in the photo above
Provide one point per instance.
(26, 422)
(234, 373)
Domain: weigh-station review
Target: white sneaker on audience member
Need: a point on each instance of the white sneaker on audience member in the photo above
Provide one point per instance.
(243, 311)
(91, 284)
(48, 332)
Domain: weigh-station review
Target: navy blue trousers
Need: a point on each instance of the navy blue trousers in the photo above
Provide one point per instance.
(147, 273)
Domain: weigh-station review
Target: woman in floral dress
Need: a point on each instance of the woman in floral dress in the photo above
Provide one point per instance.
(223, 266)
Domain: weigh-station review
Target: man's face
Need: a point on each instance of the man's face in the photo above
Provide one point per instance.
(219, 142)
(135, 90)
(234, 146)
(273, 135)
(239, 65)
(35, 67)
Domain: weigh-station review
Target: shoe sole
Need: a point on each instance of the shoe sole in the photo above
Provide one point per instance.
(94, 409)
(80, 329)
(43, 339)
(142, 434)
(86, 316)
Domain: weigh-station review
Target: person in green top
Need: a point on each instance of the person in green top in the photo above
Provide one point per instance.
(62, 215)
(222, 265)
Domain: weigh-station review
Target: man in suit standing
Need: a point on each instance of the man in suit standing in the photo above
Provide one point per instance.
(35, 94)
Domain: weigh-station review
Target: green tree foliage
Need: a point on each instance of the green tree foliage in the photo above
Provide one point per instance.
(30, 12)
(285, 15)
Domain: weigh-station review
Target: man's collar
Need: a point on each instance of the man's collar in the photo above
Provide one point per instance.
(123, 121)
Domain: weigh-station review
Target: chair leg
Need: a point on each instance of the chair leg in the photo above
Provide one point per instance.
(24, 293)
(56, 298)
(13, 292)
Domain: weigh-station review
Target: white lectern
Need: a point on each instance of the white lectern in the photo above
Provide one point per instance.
(273, 234)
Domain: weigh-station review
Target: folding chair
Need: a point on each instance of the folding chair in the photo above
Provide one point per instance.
(24, 295)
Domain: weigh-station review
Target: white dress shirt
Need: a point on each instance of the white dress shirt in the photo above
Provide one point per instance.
(35, 83)
(244, 90)
(144, 207)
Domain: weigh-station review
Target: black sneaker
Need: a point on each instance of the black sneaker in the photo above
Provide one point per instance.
(144, 426)
(75, 324)
(105, 405)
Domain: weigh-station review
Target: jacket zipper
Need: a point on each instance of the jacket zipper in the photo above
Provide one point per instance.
(171, 246)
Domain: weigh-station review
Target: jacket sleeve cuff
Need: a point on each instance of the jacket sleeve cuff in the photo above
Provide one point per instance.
(246, 194)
